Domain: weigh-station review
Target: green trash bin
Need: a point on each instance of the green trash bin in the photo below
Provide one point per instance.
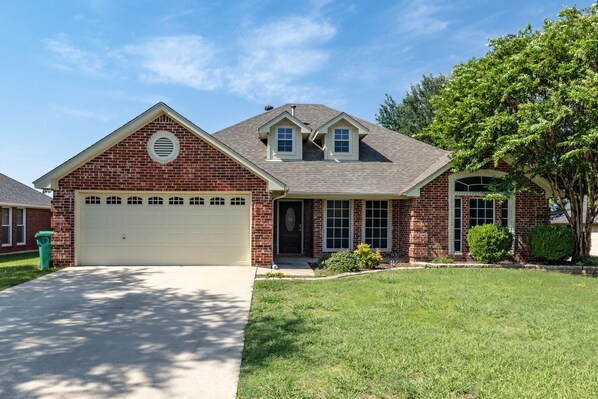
(44, 243)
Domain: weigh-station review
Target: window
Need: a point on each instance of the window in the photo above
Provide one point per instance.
(134, 201)
(473, 184)
(376, 224)
(237, 201)
(196, 201)
(92, 200)
(21, 226)
(504, 213)
(6, 227)
(176, 201)
(284, 138)
(480, 212)
(337, 224)
(216, 201)
(341, 140)
(113, 201)
(155, 201)
(458, 226)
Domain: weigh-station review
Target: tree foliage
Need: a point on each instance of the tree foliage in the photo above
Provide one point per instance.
(532, 100)
(414, 113)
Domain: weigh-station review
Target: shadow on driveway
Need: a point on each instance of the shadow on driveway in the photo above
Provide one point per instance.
(125, 332)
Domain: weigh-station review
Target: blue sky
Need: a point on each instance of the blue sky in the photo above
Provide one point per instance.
(73, 71)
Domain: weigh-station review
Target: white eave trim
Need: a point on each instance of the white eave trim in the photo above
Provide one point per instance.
(264, 130)
(414, 190)
(362, 131)
(50, 179)
(21, 205)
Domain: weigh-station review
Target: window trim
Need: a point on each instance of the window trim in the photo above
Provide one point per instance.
(348, 140)
(325, 248)
(389, 224)
(451, 198)
(24, 225)
(9, 227)
(292, 151)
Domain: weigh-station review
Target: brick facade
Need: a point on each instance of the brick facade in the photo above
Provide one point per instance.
(127, 167)
(420, 226)
(35, 220)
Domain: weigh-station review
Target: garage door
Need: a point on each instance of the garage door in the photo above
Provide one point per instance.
(163, 229)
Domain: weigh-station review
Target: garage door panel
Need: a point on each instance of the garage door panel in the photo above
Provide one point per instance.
(164, 234)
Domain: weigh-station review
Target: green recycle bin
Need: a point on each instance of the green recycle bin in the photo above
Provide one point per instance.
(44, 243)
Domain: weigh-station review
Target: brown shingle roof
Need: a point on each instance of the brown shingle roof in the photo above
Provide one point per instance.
(15, 193)
(390, 162)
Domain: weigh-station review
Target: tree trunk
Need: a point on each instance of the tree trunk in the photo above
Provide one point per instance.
(582, 230)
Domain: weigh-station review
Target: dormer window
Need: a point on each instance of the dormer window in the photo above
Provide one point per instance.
(341, 140)
(284, 138)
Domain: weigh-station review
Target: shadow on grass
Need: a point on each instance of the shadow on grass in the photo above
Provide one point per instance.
(97, 330)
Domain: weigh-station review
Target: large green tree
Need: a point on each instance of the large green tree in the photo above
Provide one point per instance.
(533, 101)
(414, 113)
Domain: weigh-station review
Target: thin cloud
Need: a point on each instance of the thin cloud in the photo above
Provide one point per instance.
(80, 113)
(420, 17)
(185, 60)
(69, 57)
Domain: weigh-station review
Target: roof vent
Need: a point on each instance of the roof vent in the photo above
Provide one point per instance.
(268, 108)
(163, 147)
(293, 109)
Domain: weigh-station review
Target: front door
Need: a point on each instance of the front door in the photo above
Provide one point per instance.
(289, 227)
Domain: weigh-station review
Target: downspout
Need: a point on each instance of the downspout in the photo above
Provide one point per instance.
(285, 193)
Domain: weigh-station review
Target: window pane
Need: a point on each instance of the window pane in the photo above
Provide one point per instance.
(337, 224)
(5, 216)
(20, 234)
(6, 235)
(377, 222)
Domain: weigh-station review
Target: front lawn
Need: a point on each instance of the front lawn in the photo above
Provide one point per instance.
(447, 333)
(17, 269)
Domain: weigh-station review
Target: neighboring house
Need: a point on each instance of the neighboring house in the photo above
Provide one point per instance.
(562, 220)
(294, 180)
(25, 211)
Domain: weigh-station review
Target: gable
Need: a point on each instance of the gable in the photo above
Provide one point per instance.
(50, 180)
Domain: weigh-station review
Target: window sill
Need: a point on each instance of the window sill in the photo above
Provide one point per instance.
(20, 244)
(6, 245)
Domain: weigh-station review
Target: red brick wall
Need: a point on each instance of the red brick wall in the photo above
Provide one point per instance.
(127, 166)
(36, 220)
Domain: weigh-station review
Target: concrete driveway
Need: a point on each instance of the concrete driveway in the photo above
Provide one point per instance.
(125, 332)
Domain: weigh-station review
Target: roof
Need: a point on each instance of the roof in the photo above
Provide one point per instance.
(14, 193)
(390, 162)
(563, 219)
(50, 179)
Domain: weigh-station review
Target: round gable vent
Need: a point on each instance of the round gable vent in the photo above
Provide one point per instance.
(163, 147)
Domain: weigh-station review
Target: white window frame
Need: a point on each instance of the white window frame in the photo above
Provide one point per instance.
(9, 225)
(388, 225)
(325, 247)
(348, 140)
(451, 198)
(24, 225)
(278, 151)
(493, 208)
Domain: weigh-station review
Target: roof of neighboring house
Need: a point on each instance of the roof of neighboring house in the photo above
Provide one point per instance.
(390, 163)
(563, 220)
(15, 193)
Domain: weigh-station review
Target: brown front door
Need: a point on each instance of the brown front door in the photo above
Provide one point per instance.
(290, 220)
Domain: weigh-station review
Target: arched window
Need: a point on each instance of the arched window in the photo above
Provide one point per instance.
(155, 201)
(134, 201)
(176, 201)
(196, 201)
(114, 200)
(216, 201)
(92, 200)
(237, 201)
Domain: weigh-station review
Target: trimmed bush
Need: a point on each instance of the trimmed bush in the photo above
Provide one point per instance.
(587, 261)
(366, 259)
(489, 243)
(341, 262)
(551, 242)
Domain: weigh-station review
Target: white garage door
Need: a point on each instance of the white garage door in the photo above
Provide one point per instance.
(594, 249)
(163, 229)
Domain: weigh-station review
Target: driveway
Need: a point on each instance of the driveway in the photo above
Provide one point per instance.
(125, 332)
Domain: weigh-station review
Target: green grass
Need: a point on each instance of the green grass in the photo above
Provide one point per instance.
(447, 333)
(17, 269)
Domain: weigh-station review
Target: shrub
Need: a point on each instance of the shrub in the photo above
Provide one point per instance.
(489, 243)
(341, 262)
(552, 243)
(587, 261)
(322, 259)
(366, 259)
(443, 260)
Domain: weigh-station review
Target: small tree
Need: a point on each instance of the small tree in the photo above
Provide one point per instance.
(532, 100)
(414, 113)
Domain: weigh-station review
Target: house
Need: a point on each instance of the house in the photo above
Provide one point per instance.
(297, 179)
(562, 220)
(25, 211)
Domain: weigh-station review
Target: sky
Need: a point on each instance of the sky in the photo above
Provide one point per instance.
(72, 72)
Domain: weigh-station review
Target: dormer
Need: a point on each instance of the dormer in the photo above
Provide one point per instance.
(284, 134)
(340, 138)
